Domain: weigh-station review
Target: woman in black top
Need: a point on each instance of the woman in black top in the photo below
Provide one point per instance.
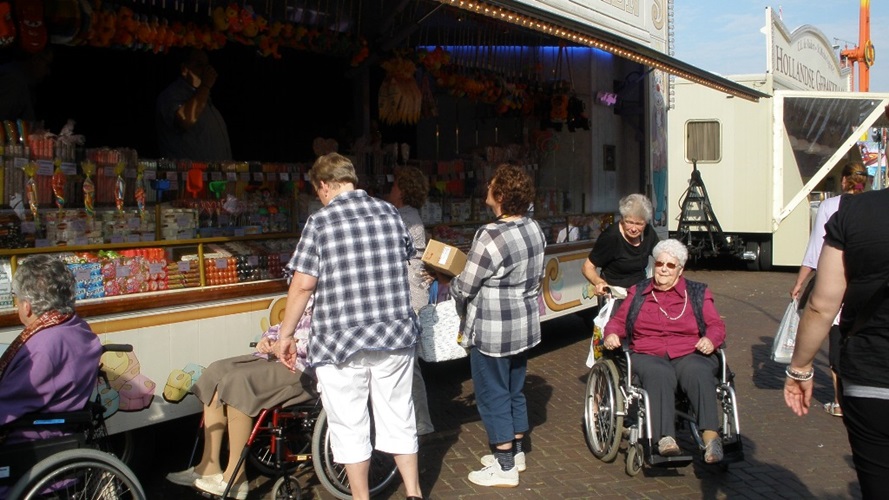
(622, 250)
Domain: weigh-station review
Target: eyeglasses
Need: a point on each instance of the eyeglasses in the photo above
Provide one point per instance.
(670, 265)
(633, 223)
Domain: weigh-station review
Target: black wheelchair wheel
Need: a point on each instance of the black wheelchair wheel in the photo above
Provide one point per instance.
(332, 475)
(287, 488)
(603, 425)
(83, 474)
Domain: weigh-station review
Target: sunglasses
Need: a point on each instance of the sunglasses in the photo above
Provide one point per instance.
(670, 265)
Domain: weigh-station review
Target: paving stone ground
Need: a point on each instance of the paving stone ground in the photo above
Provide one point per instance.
(785, 456)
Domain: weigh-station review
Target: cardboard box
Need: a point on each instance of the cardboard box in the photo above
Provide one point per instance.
(444, 258)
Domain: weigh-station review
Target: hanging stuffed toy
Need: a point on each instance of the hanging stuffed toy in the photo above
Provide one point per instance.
(7, 27)
(32, 29)
(577, 114)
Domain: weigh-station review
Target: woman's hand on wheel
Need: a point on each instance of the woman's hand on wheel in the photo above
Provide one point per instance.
(705, 346)
(612, 341)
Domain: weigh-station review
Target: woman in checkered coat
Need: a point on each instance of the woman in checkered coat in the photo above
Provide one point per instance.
(497, 297)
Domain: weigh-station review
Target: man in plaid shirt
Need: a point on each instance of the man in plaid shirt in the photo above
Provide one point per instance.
(353, 256)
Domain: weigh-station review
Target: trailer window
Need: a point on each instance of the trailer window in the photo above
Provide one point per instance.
(702, 141)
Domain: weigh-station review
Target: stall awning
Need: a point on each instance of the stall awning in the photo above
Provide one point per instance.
(548, 23)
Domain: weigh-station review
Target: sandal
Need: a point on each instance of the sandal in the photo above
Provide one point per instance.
(833, 409)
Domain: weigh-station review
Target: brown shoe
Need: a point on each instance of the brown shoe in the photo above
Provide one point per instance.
(667, 447)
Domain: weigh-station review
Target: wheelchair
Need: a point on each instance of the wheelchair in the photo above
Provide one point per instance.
(615, 405)
(285, 440)
(76, 465)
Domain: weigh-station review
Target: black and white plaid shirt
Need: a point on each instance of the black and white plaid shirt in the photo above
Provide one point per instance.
(497, 291)
(358, 248)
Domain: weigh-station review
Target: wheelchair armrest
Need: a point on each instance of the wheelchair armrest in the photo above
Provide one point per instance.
(44, 420)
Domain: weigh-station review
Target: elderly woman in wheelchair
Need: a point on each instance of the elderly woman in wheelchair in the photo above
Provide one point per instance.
(48, 424)
(674, 333)
(233, 392)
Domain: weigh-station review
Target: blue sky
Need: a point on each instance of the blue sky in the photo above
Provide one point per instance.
(723, 36)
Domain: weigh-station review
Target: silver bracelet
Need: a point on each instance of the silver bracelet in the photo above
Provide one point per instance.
(799, 376)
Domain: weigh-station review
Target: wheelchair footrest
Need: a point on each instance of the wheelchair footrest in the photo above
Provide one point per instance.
(669, 462)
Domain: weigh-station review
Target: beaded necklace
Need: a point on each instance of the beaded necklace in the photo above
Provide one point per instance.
(684, 304)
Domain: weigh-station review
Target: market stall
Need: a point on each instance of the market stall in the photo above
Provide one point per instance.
(182, 257)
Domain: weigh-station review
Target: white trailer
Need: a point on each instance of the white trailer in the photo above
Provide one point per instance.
(761, 161)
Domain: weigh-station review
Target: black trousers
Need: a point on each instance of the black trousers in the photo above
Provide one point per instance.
(660, 377)
(867, 423)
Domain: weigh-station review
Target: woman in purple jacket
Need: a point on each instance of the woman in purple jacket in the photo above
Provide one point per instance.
(53, 364)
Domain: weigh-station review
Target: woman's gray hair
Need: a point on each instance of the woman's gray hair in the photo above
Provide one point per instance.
(671, 247)
(46, 283)
(636, 205)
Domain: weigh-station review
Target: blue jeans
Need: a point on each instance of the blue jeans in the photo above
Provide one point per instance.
(498, 394)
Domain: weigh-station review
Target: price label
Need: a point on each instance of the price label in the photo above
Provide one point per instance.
(134, 223)
(122, 271)
(116, 238)
(221, 263)
(45, 167)
(184, 220)
(252, 260)
(129, 173)
(215, 176)
(258, 177)
(69, 168)
(149, 175)
(82, 275)
(285, 176)
(134, 238)
(28, 227)
(231, 176)
(239, 231)
(155, 267)
(108, 172)
(244, 176)
(172, 176)
(184, 266)
(147, 237)
(81, 240)
(19, 162)
(41, 242)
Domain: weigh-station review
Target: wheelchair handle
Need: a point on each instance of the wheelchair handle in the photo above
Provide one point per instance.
(117, 348)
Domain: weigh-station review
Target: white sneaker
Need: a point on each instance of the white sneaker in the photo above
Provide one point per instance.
(493, 475)
(187, 477)
(214, 485)
(519, 461)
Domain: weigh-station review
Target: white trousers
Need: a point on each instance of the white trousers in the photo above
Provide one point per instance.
(383, 377)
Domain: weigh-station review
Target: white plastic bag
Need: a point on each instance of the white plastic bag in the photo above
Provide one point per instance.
(785, 339)
(596, 343)
(440, 327)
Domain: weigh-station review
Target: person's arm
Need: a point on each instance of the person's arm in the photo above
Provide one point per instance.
(813, 247)
(28, 383)
(616, 328)
(818, 315)
(480, 266)
(715, 326)
(804, 272)
(301, 288)
(190, 111)
(592, 275)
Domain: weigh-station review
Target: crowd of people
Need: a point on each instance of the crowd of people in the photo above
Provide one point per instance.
(343, 343)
